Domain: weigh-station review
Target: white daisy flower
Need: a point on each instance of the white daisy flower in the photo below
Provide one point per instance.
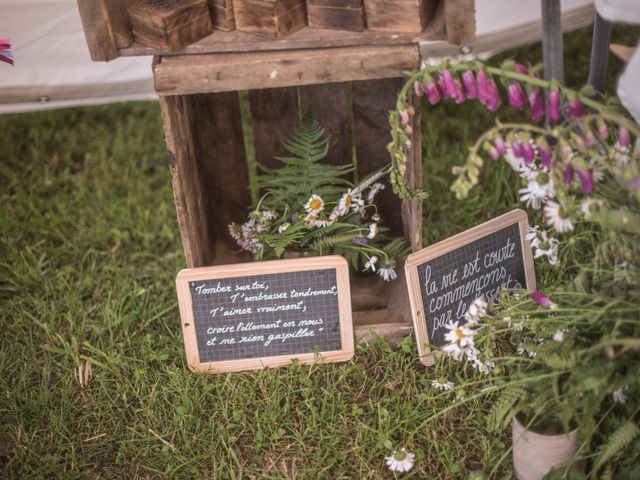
(476, 311)
(313, 221)
(539, 188)
(373, 191)
(619, 395)
(461, 340)
(283, 227)
(315, 204)
(444, 385)
(401, 461)
(555, 216)
(358, 206)
(387, 273)
(558, 336)
(588, 206)
(371, 264)
(532, 235)
(373, 231)
(546, 246)
(346, 201)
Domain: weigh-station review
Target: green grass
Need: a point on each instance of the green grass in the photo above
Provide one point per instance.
(89, 248)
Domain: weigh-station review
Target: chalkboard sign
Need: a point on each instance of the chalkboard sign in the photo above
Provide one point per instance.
(265, 314)
(445, 278)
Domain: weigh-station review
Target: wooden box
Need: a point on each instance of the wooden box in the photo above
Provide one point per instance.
(222, 14)
(399, 15)
(336, 14)
(270, 18)
(170, 25)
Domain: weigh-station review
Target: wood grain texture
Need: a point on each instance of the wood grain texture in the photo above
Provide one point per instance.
(274, 113)
(119, 20)
(258, 268)
(461, 21)
(330, 105)
(372, 101)
(399, 15)
(98, 32)
(222, 14)
(270, 18)
(412, 209)
(445, 246)
(170, 25)
(336, 14)
(183, 74)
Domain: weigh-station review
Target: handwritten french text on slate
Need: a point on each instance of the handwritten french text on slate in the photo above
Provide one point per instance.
(266, 315)
(449, 283)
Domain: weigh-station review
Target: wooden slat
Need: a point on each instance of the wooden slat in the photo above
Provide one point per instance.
(330, 105)
(222, 14)
(97, 30)
(185, 74)
(412, 209)
(372, 101)
(461, 21)
(274, 113)
(399, 15)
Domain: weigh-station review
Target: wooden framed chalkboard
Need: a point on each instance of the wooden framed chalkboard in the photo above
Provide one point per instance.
(446, 277)
(266, 314)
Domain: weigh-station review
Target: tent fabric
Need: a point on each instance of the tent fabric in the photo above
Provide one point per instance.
(53, 68)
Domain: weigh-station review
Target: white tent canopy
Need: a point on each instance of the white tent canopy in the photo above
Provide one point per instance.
(53, 68)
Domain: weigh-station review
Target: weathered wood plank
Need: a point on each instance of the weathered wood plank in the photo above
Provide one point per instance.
(461, 21)
(185, 74)
(372, 101)
(412, 209)
(336, 14)
(330, 105)
(399, 15)
(222, 14)
(274, 113)
(100, 37)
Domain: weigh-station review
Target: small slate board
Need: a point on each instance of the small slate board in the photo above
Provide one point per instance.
(265, 314)
(445, 278)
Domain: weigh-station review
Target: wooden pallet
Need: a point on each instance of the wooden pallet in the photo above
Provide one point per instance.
(348, 81)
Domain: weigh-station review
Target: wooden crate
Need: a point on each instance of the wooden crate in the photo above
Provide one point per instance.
(399, 15)
(270, 18)
(348, 81)
(107, 29)
(222, 14)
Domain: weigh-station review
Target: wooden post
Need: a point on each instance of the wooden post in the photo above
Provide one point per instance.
(552, 49)
(599, 52)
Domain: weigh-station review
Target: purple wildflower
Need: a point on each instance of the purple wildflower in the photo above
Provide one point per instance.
(433, 92)
(518, 149)
(447, 85)
(488, 92)
(554, 105)
(492, 151)
(359, 240)
(586, 179)
(634, 183)
(536, 103)
(470, 84)
(500, 146)
(623, 137)
(457, 93)
(404, 117)
(545, 156)
(568, 174)
(293, 217)
(542, 300)
(529, 153)
(519, 68)
(516, 95)
(575, 108)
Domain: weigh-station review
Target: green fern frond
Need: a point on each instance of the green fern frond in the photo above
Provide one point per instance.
(506, 407)
(618, 441)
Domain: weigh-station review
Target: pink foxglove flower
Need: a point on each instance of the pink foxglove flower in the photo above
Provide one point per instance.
(433, 92)
(447, 85)
(518, 149)
(516, 95)
(519, 68)
(603, 131)
(586, 180)
(545, 156)
(404, 117)
(493, 152)
(542, 300)
(488, 92)
(554, 105)
(470, 84)
(575, 108)
(623, 137)
(568, 174)
(417, 89)
(500, 146)
(536, 103)
(528, 153)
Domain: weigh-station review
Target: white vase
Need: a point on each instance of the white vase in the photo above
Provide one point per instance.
(536, 454)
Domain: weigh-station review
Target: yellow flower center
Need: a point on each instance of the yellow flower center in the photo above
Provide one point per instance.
(459, 333)
(347, 200)
(315, 204)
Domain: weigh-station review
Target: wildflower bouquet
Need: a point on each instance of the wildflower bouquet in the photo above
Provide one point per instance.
(571, 359)
(310, 208)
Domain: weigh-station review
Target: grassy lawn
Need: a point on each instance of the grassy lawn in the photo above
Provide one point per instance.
(89, 248)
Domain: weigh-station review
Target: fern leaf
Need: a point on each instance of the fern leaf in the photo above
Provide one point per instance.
(618, 441)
